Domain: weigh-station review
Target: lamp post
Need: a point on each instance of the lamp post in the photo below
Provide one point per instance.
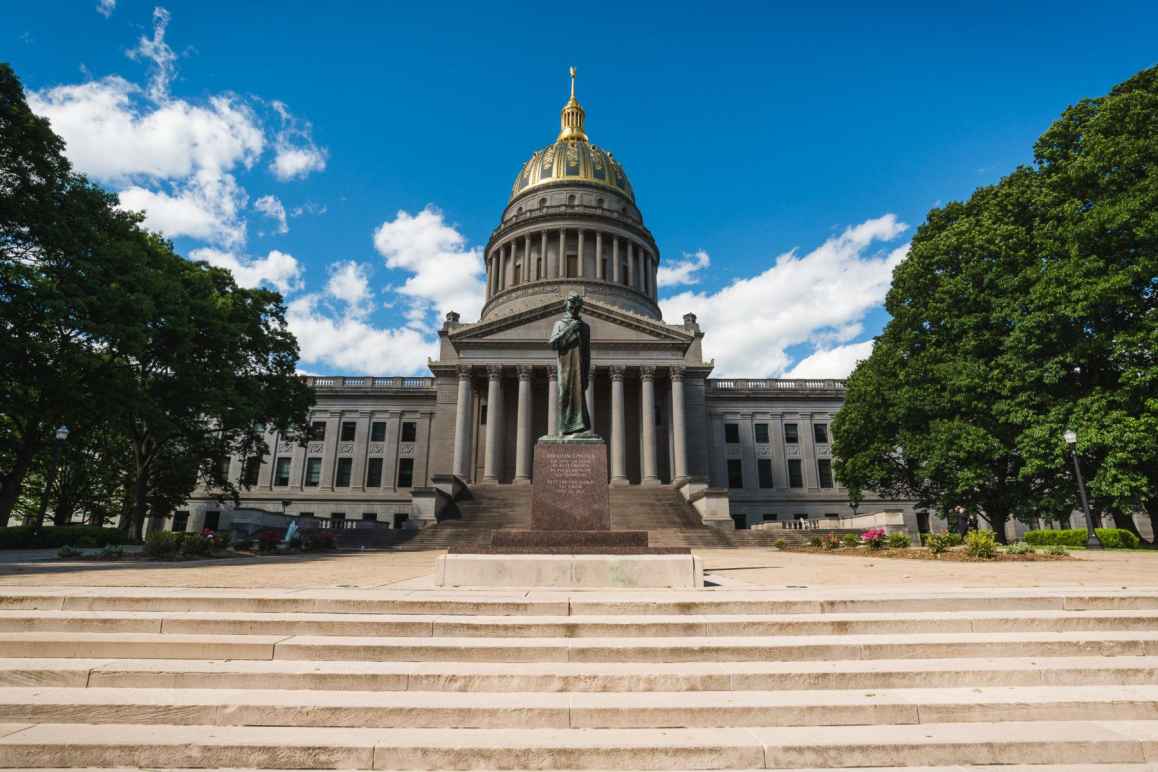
(61, 436)
(1092, 540)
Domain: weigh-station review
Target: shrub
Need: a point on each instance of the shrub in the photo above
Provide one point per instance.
(1056, 549)
(779, 544)
(1019, 548)
(68, 551)
(899, 540)
(268, 539)
(814, 541)
(939, 542)
(111, 552)
(163, 545)
(874, 538)
(22, 537)
(218, 540)
(850, 540)
(318, 541)
(196, 545)
(981, 544)
(830, 541)
(1111, 538)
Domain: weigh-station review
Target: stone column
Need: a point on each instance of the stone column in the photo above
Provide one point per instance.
(579, 256)
(590, 396)
(526, 258)
(543, 257)
(562, 252)
(552, 400)
(618, 427)
(632, 251)
(615, 259)
(647, 424)
(599, 256)
(645, 272)
(462, 416)
(523, 428)
(494, 417)
(679, 426)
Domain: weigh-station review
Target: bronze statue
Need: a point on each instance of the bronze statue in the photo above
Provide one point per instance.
(571, 339)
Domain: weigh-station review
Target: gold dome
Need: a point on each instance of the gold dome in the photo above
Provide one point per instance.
(572, 158)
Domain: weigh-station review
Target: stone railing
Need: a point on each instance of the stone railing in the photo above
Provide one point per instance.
(773, 385)
(369, 383)
(891, 520)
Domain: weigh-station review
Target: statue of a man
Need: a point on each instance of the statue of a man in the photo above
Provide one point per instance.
(571, 339)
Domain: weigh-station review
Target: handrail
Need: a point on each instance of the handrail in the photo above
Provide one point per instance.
(774, 384)
(368, 382)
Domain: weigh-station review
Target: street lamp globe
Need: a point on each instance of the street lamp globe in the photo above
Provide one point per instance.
(62, 433)
(1071, 437)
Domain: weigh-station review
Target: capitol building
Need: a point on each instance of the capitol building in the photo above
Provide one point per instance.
(401, 451)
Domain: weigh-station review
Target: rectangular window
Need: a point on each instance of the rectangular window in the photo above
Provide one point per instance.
(369, 515)
(764, 469)
(800, 516)
(212, 520)
(313, 472)
(223, 467)
(374, 473)
(409, 431)
(378, 431)
(252, 469)
(795, 474)
(305, 514)
(762, 433)
(342, 477)
(180, 521)
(824, 472)
(731, 433)
(771, 517)
(318, 430)
(735, 473)
(405, 472)
(820, 432)
(282, 471)
(400, 519)
(338, 520)
(790, 434)
(349, 429)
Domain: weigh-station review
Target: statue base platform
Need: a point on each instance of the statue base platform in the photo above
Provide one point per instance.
(571, 570)
(569, 492)
(557, 539)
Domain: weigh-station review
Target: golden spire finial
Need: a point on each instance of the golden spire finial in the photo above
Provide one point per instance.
(571, 119)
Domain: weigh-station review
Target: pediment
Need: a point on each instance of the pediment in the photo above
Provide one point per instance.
(609, 326)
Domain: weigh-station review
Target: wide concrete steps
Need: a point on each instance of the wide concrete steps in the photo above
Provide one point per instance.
(144, 745)
(716, 679)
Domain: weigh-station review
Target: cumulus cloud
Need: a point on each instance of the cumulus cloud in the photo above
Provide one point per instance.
(276, 269)
(350, 283)
(684, 270)
(273, 208)
(157, 51)
(835, 362)
(445, 274)
(205, 207)
(106, 7)
(295, 153)
(819, 298)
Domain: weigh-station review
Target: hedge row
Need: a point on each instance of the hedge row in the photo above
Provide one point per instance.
(1111, 538)
(22, 537)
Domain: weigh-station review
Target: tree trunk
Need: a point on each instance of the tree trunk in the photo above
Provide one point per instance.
(140, 504)
(13, 480)
(1125, 521)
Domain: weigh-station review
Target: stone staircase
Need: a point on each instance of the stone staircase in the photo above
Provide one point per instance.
(719, 679)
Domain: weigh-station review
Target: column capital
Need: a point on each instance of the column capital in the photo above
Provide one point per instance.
(494, 372)
(676, 373)
(464, 372)
(647, 372)
(617, 372)
(525, 372)
(552, 373)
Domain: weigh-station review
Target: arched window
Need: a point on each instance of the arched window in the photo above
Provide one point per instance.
(542, 202)
(571, 199)
(599, 203)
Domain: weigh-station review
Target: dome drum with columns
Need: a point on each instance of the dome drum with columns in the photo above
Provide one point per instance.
(571, 225)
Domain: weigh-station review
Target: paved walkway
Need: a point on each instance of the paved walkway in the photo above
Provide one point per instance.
(726, 568)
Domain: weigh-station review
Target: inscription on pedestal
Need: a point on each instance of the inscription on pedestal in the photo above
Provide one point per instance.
(569, 492)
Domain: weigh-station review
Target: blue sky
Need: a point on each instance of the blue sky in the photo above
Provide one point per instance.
(777, 153)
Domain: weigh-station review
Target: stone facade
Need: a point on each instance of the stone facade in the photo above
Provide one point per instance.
(571, 225)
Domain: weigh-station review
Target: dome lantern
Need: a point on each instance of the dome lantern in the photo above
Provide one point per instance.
(571, 118)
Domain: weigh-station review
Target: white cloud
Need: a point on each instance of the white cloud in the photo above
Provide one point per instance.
(308, 208)
(446, 276)
(157, 51)
(272, 207)
(296, 155)
(350, 283)
(276, 269)
(206, 207)
(106, 7)
(818, 298)
(684, 270)
(831, 362)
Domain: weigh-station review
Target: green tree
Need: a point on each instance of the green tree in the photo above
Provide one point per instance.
(1026, 310)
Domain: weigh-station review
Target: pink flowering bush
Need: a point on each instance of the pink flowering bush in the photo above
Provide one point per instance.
(874, 538)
